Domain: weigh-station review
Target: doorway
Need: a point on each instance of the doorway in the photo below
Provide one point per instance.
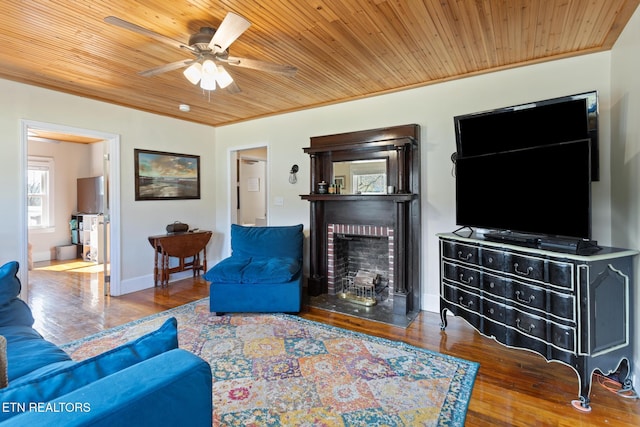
(249, 193)
(100, 151)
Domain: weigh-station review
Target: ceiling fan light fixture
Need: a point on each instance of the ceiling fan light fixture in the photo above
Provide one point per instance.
(209, 67)
(223, 77)
(193, 73)
(208, 81)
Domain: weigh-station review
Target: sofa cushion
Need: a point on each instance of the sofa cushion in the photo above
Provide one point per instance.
(238, 269)
(13, 311)
(271, 270)
(227, 270)
(28, 351)
(44, 387)
(275, 241)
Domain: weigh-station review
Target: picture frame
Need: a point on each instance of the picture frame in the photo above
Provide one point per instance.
(339, 181)
(373, 183)
(161, 175)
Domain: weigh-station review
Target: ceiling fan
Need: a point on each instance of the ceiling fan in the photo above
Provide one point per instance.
(210, 47)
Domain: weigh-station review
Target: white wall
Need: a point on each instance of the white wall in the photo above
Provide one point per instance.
(625, 162)
(137, 130)
(433, 108)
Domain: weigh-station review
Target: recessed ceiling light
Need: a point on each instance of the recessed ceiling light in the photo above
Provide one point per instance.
(184, 108)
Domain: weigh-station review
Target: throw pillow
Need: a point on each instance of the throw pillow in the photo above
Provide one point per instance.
(52, 385)
(13, 311)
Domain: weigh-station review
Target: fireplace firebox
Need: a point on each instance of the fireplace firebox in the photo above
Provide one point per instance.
(371, 211)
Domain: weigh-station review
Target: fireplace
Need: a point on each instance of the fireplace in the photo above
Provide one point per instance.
(360, 262)
(365, 245)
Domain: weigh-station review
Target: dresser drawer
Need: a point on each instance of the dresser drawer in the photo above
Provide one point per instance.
(494, 311)
(563, 337)
(533, 326)
(527, 296)
(491, 259)
(461, 298)
(525, 267)
(461, 252)
(495, 285)
(544, 330)
(557, 273)
(546, 301)
(462, 275)
(562, 274)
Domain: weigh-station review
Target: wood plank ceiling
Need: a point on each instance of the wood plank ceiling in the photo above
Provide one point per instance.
(343, 50)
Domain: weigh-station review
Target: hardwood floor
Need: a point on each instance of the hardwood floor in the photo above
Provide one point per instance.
(513, 387)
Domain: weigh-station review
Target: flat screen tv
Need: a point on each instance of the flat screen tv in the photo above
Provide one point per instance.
(550, 121)
(543, 190)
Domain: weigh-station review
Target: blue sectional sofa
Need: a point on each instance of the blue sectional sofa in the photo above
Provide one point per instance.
(263, 273)
(147, 382)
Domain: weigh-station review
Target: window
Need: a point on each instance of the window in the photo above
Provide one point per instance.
(40, 192)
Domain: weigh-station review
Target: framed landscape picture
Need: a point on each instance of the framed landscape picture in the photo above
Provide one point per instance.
(166, 176)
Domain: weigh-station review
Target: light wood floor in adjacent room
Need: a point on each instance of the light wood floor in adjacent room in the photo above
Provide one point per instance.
(513, 387)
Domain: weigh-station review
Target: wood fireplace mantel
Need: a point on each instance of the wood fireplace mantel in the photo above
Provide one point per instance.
(367, 197)
(400, 148)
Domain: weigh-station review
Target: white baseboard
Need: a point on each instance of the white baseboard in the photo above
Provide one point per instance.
(145, 282)
(431, 302)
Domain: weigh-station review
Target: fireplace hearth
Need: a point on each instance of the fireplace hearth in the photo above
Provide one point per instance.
(365, 238)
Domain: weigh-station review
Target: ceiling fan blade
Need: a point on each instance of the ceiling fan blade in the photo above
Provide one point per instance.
(230, 29)
(167, 67)
(269, 67)
(140, 30)
(233, 88)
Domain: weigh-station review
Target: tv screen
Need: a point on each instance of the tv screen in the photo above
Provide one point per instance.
(551, 121)
(544, 190)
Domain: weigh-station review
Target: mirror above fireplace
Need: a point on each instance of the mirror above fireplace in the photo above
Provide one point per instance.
(361, 176)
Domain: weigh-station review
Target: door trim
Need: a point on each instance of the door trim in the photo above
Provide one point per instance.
(113, 142)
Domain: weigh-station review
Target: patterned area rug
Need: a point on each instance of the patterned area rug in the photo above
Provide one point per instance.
(282, 370)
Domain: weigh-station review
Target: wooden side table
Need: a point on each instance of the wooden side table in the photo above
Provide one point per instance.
(182, 246)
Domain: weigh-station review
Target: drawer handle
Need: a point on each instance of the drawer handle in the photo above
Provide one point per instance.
(466, 281)
(466, 257)
(461, 301)
(491, 311)
(531, 327)
(523, 273)
(528, 301)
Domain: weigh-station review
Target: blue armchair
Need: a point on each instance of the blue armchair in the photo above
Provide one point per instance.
(263, 273)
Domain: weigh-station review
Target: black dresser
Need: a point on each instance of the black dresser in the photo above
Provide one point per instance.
(573, 309)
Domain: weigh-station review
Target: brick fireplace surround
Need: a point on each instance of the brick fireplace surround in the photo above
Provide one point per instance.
(334, 273)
